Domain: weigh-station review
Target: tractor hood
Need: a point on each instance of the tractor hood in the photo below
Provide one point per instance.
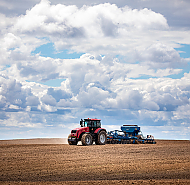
(77, 131)
(80, 128)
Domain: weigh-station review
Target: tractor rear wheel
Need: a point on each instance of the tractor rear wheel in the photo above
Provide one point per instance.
(101, 138)
(86, 139)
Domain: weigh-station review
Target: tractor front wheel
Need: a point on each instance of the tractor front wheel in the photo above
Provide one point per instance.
(101, 138)
(86, 139)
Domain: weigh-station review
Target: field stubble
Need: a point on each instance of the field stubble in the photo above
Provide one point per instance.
(167, 162)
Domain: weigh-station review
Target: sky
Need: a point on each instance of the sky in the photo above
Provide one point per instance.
(124, 62)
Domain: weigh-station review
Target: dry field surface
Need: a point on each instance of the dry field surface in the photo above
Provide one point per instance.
(32, 162)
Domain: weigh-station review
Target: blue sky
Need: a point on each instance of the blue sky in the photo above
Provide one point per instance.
(48, 50)
(184, 50)
(122, 62)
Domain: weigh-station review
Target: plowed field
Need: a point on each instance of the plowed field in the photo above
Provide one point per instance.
(167, 162)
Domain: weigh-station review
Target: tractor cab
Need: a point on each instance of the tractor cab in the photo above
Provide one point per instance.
(93, 124)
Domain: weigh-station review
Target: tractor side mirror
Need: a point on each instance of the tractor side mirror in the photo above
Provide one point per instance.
(81, 123)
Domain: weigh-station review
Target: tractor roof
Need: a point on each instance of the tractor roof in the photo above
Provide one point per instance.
(92, 119)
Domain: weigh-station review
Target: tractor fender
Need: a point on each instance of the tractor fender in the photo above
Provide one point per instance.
(81, 134)
(98, 130)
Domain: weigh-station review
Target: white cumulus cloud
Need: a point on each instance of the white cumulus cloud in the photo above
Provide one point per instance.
(123, 73)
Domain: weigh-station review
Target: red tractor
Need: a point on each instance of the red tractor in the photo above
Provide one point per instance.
(89, 131)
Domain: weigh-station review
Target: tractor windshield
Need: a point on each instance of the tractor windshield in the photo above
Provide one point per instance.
(87, 123)
(92, 123)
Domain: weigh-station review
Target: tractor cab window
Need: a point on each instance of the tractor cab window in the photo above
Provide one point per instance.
(87, 123)
(98, 123)
(92, 123)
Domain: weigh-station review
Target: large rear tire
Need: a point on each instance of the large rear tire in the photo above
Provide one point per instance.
(101, 138)
(86, 139)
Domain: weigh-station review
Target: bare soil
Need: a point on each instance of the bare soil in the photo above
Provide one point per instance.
(27, 162)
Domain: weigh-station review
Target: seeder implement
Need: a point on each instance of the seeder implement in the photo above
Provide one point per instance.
(129, 134)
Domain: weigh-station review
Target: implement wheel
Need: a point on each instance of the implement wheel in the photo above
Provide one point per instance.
(86, 139)
(101, 138)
